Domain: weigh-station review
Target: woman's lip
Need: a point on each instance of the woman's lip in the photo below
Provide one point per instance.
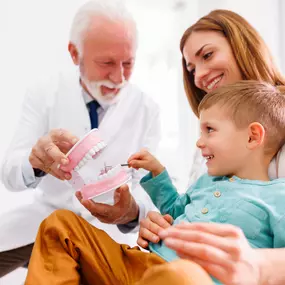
(215, 86)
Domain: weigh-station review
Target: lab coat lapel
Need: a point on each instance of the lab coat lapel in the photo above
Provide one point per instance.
(115, 120)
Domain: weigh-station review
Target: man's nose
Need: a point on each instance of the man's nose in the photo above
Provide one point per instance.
(117, 74)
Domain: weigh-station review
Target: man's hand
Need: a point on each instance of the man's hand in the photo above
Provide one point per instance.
(122, 212)
(49, 152)
(151, 226)
(143, 159)
(222, 250)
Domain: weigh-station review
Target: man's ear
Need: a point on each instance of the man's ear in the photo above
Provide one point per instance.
(256, 135)
(73, 53)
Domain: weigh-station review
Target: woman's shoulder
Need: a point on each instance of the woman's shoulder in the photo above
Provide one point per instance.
(277, 165)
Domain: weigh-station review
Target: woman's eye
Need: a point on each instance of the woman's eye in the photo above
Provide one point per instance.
(207, 55)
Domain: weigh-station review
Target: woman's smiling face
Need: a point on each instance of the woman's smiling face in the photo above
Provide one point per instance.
(209, 57)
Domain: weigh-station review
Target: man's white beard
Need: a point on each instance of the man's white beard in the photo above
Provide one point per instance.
(94, 88)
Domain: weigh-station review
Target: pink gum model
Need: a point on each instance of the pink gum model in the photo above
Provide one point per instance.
(115, 178)
(85, 149)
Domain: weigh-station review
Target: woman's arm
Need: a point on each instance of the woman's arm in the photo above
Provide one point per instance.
(224, 252)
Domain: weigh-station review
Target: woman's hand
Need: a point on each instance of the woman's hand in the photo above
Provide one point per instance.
(143, 159)
(151, 226)
(221, 249)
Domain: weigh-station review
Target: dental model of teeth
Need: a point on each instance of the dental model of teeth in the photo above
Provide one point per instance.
(100, 189)
(85, 149)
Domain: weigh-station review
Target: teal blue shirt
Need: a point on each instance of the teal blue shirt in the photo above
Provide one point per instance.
(257, 207)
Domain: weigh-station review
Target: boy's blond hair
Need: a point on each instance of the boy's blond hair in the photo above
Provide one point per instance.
(249, 101)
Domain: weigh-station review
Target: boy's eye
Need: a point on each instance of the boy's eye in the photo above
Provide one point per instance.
(210, 130)
(207, 55)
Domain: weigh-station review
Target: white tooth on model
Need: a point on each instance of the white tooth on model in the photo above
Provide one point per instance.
(76, 168)
(80, 164)
(96, 148)
(92, 151)
(99, 146)
(88, 156)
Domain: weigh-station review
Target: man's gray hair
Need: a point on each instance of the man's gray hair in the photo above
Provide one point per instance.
(110, 9)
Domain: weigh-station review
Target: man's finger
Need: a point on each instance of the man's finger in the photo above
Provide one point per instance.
(54, 154)
(97, 209)
(125, 196)
(78, 195)
(36, 162)
(39, 159)
(59, 172)
(61, 135)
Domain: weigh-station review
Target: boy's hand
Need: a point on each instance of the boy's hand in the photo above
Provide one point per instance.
(143, 159)
(150, 226)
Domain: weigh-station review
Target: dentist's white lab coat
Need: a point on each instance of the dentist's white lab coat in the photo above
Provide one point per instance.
(128, 126)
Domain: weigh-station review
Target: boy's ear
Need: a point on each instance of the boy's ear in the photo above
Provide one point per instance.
(256, 135)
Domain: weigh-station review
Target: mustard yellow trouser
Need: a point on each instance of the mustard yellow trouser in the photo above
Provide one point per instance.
(68, 250)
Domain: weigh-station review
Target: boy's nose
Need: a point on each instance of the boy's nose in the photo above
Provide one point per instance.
(200, 143)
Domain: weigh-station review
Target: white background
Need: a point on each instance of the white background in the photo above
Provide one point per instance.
(33, 42)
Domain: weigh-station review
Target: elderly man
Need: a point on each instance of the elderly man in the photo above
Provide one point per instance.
(57, 112)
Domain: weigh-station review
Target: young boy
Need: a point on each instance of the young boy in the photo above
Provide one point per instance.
(242, 128)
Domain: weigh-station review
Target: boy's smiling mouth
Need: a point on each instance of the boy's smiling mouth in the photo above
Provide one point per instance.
(208, 157)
